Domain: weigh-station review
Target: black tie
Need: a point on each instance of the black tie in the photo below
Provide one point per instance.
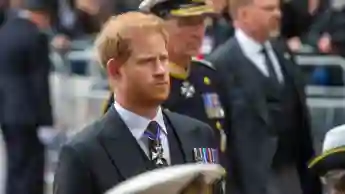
(155, 144)
(269, 65)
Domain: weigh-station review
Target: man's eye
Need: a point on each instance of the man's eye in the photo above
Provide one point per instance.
(145, 61)
(164, 58)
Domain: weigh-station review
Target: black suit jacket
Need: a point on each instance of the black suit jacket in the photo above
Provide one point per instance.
(105, 153)
(251, 145)
(24, 72)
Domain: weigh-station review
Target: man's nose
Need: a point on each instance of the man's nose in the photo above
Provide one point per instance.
(198, 29)
(277, 13)
(160, 67)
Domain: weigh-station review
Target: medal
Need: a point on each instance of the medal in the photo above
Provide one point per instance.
(206, 155)
(213, 106)
(187, 89)
(156, 148)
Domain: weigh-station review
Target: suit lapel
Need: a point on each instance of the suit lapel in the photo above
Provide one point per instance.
(187, 135)
(248, 71)
(121, 147)
(286, 64)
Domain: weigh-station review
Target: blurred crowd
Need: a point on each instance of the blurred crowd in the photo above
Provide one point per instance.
(304, 22)
(312, 22)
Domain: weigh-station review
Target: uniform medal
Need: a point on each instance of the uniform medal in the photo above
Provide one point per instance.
(214, 109)
(187, 89)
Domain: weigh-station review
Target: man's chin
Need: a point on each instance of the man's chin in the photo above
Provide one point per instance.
(274, 33)
(160, 98)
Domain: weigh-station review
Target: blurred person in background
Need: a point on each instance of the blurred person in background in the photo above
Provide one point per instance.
(330, 164)
(77, 19)
(121, 6)
(297, 17)
(219, 28)
(327, 34)
(24, 95)
(270, 137)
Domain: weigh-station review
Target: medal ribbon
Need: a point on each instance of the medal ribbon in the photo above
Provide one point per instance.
(151, 136)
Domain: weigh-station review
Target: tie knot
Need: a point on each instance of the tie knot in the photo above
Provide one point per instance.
(263, 49)
(153, 127)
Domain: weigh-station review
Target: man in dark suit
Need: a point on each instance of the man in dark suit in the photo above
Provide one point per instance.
(24, 96)
(270, 138)
(121, 144)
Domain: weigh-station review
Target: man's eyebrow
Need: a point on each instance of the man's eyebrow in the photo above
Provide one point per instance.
(144, 57)
(152, 56)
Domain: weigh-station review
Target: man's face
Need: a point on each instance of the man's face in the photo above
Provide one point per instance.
(43, 19)
(186, 34)
(334, 181)
(144, 76)
(263, 16)
(219, 5)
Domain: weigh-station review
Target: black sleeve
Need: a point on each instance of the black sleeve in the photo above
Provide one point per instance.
(71, 176)
(39, 78)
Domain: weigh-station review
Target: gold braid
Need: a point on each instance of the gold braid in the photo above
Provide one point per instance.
(108, 102)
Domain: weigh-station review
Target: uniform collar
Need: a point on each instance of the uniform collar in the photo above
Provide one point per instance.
(178, 72)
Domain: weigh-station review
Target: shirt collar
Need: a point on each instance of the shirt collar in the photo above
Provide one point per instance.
(23, 14)
(248, 44)
(137, 124)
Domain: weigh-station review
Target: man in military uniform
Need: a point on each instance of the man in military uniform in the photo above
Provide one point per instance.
(330, 164)
(195, 89)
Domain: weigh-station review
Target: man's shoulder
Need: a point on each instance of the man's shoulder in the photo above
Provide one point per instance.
(204, 68)
(226, 46)
(222, 52)
(18, 31)
(203, 63)
(85, 138)
(20, 23)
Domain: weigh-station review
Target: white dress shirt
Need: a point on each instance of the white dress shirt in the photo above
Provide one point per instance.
(252, 50)
(138, 124)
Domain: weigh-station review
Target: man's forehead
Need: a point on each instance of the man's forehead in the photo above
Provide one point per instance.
(266, 2)
(151, 55)
(186, 19)
(195, 17)
(148, 49)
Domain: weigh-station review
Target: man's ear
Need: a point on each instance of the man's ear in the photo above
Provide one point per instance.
(113, 67)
